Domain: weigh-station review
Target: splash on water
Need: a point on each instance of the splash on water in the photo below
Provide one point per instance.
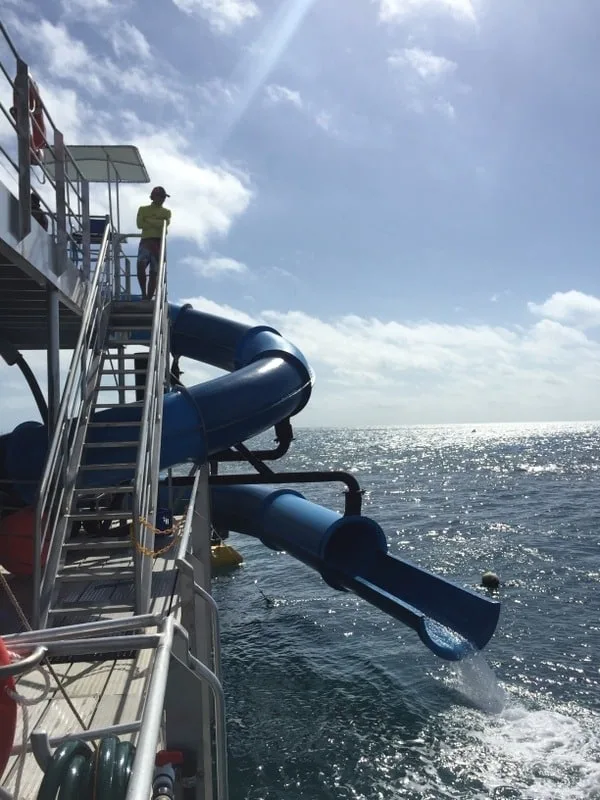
(475, 681)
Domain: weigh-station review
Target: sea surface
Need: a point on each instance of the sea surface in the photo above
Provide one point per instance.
(329, 698)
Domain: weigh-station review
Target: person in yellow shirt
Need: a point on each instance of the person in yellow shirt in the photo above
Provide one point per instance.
(150, 219)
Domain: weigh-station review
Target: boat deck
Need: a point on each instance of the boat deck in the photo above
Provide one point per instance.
(104, 692)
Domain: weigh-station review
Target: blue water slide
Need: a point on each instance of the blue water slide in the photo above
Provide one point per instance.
(350, 553)
(269, 381)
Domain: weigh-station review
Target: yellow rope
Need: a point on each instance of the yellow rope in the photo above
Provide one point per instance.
(175, 531)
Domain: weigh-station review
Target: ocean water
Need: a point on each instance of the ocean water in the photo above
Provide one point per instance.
(329, 698)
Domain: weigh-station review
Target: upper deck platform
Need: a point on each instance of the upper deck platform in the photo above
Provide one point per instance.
(28, 267)
(41, 259)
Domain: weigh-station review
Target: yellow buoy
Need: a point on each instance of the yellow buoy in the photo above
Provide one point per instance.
(224, 556)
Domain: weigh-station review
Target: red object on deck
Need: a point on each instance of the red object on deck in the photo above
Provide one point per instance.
(16, 542)
(8, 711)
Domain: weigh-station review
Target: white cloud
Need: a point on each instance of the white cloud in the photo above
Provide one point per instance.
(69, 59)
(421, 73)
(89, 7)
(205, 199)
(374, 372)
(215, 266)
(217, 91)
(281, 94)
(223, 16)
(582, 310)
(126, 40)
(394, 11)
(276, 94)
(324, 120)
(424, 63)
(399, 372)
(445, 108)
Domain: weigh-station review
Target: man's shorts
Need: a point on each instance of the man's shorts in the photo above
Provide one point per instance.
(149, 254)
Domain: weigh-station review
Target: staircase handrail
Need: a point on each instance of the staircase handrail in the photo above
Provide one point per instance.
(70, 416)
(147, 469)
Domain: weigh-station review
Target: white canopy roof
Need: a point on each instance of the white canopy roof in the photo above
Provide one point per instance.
(101, 163)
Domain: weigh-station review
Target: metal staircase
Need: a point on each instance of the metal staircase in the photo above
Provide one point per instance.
(97, 501)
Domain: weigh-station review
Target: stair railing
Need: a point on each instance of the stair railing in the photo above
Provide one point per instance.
(147, 472)
(66, 446)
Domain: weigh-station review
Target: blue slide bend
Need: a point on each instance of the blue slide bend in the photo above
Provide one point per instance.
(350, 552)
(270, 380)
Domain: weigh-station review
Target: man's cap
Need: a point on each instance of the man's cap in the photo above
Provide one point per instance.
(159, 191)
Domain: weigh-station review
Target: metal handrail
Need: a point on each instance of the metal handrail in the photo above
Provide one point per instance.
(184, 566)
(147, 469)
(149, 726)
(75, 403)
(25, 664)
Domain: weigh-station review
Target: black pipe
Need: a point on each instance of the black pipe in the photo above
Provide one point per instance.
(284, 436)
(12, 356)
(353, 495)
(37, 393)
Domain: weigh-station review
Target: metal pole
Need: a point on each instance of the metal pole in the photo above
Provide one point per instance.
(121, 375)
(143, 766)
(83, 629)
(86, 232)
(220, 725)
(118, 226)
(53, 358)
(22, 122)
(61, 208)
(115, 255)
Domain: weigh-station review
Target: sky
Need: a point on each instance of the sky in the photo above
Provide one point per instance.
(406, 189)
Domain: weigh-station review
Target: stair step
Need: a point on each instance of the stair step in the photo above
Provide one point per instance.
(134, 305)
(95, 491)
(123, 371)
(133, 328)
(129, 424)
(93, 544)
(77, 574)
(85, 608)
(121, 465)
(135, 404)
(125, 307)
(112, 444)
(138, 316)
(100, 516)
(115, 387)
(108, 356)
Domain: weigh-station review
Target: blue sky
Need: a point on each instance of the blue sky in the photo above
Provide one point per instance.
(405, 188)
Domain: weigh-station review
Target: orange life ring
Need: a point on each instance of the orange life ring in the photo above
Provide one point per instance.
(8, 711)
(37, 124)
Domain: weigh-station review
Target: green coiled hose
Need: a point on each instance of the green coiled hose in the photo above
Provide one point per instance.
(76, 772)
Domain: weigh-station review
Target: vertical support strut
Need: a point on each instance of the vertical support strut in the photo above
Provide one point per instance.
(85, 229)
(22, 122)
(61, 203)
(53, 358)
